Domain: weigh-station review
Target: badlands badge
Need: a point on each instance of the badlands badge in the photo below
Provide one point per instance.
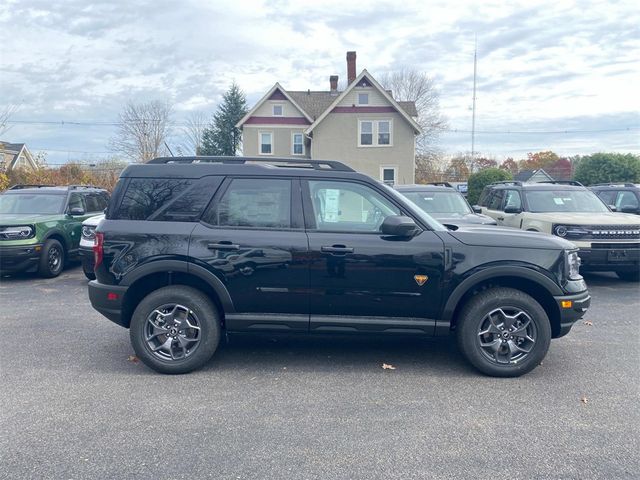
(420, 279)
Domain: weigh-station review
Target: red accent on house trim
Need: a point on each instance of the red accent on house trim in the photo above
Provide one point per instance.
(278, 121)
(363, 110)
(277, 95)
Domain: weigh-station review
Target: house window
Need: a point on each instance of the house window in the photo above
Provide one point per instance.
(363, 99)
(388, 174)
(297, 144)
(375, 133)
(266, 143)
(366, 133)
(277, 110)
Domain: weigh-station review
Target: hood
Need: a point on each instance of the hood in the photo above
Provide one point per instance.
(27, 218)
(467, 219)
(586, 218)
(506, 237)
(93, 221)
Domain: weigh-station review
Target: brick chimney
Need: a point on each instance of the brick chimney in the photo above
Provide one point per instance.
(351, 67)
(333, 81)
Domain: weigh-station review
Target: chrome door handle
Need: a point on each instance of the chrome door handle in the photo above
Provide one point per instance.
(223, 246)
(336, 249)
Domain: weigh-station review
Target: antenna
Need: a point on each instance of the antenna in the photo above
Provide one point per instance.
(473, 112)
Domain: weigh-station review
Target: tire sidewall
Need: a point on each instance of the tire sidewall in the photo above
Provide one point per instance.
(474, 314)
(209, 328)
(44, 269)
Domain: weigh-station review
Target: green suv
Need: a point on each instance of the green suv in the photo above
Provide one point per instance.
(40, 225)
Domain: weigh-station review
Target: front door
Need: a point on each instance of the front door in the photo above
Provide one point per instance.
(252, 238)
(361, 280)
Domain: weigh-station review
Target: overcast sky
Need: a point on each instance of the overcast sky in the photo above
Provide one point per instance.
(542, 66)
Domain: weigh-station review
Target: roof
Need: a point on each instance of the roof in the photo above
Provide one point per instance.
(276, 87)
(524, 175)
(313, 103)
(11, 147)
(15, 149)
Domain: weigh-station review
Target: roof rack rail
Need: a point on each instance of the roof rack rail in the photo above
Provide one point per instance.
(20, 186)
(508, 182)
(613, 184)
(75, 187)
(315, 164)
(440, 184)
(563, 182)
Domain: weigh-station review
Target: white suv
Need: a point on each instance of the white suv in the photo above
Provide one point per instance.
(607, 241)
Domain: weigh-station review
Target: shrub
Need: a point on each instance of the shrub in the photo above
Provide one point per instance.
(478, 181)
(608, 167)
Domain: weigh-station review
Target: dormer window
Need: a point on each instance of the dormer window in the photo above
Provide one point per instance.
(363, 99)
(277, 110)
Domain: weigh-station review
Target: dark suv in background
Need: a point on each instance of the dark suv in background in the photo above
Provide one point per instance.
(195, 247)
(624, 197)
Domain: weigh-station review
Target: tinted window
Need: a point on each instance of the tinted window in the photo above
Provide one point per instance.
(626, 198)
(607, 196)
(252, 202)
(484, 196)
(94, 202)
(168, 199)
(75, 202)
(348, 207)
(496, 200)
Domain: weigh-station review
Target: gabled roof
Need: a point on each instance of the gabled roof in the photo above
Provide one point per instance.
(375, 84)
(314, 103)
(278, 87)
(525, 175)
(16, 150)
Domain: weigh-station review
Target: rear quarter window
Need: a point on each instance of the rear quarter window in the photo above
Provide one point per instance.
(166, 199)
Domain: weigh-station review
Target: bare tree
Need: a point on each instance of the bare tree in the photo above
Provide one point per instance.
(5, 115)
(142, 131)
(193, 130)
(409, 84)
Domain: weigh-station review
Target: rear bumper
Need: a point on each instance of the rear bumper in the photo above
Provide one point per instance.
(19, 258)
(569, 315)
(107, 299)
(610, 259)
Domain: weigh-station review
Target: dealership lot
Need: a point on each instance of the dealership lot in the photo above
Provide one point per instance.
(77, 404)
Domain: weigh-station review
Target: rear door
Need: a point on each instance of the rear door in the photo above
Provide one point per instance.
(252, 238)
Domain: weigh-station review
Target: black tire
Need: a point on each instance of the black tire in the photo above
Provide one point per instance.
(475, 318)
(88, 274)
(201, 311)
(52, 259)
(629, 275)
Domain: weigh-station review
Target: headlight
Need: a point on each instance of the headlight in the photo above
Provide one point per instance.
(20, 232)
(572, 265)
(88, 232)
(570, 231)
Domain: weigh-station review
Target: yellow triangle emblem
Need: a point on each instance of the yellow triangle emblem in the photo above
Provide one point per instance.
(420, 279)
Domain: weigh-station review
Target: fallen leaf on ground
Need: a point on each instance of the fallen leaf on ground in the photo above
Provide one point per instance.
(133, 359)
(584, 399)
(588, 323)
(388, 367)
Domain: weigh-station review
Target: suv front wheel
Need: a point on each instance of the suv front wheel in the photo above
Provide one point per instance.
(503, 332)
(175, 329)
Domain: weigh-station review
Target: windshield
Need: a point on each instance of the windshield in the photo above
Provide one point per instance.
(421, 214)
(439, 203)
(564, 201)
(31, 203)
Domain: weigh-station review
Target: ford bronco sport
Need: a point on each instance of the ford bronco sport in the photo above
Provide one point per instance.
(196, 247)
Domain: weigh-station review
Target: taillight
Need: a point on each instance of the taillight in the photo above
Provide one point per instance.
(98, 249)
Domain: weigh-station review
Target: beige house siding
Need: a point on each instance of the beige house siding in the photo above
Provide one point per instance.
(282, 141)
(336, 138)
(266, 109)
(376, 99)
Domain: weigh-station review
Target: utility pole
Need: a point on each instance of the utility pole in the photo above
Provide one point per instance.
(473, 108)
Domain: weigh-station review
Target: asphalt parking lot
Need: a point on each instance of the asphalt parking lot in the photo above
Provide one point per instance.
(77, 405)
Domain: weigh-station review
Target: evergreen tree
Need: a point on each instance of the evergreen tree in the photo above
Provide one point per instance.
(222, 137)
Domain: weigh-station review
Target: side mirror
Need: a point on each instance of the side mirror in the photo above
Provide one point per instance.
(512, 209)
(477, 209)
(76, 211)
(399, 226)
(613, 208)
(629, 209)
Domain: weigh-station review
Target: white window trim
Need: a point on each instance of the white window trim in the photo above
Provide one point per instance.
(389, 167)
(362, 93)
(273, 147)
(293, 134)
(374, 142)
(273, 109)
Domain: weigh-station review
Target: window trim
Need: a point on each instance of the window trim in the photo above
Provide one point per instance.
(389, 167)
(293, 135)
(265, 132)
(374, 132)
(273, 109)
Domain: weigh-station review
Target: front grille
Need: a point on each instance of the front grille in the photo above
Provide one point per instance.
(610, 232)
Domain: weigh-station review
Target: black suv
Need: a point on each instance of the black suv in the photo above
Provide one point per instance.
(625, 197)
(192, 248)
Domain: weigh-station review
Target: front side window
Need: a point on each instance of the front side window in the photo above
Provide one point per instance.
(348, 207)
(254, 203)
(75, 201)
(496, 200)
(277, 110)
(627, 199)
(298, 144)
(513, 199)
(95, 202)
(439, 202)
(266, 143)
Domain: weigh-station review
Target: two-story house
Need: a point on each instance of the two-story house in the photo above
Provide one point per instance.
(362, 126)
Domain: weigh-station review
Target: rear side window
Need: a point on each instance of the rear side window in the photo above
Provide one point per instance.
(254, 203)
(166, 199)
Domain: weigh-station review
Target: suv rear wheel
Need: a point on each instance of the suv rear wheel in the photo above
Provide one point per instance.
(503, 332)
(175, 329)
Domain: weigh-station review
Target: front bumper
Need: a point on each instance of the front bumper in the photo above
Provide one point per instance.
(107, 299)
(610, 257)
(571, 313)
(19, 258)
